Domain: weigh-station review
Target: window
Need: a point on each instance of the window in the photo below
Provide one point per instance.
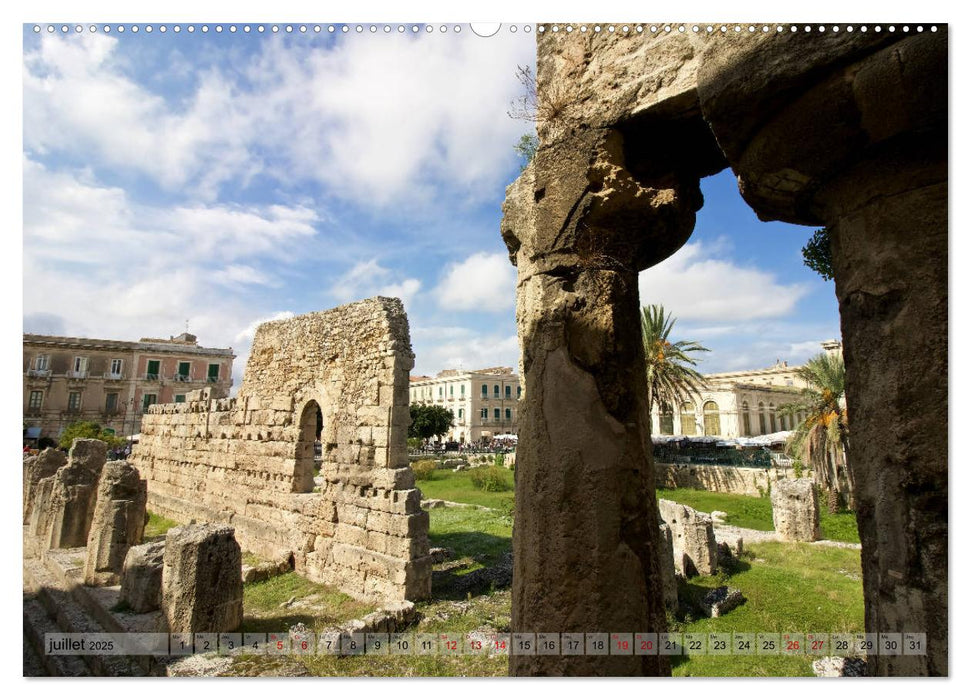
(37, 400)
(116, 367)
(462, 390)
(180, 398)
(148, 400)
(152, 371)
(461, 414)
(495, 414)
(485, 391)
(666, 419)
(509, 413)
(772, 417)
(687, 418)
(213, 375)
(746, 419)
(519, 392)
(495, 391)
(451, 390)
(508, 392)
(484, 414)
(762, 428)
(712, 419)
(80, 366)
(185, 371)
(74, 401)
(111, 402)
(42, 362)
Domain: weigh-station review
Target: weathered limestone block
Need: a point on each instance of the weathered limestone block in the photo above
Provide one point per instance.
(670, 579)
(36, 468)
(141, 577)
(118, 523)
(693, 535)
(202, 584)
(795, 510)
(73, 494)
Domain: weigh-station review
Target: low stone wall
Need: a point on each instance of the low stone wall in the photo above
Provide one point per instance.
(248, 462)
(744, 481)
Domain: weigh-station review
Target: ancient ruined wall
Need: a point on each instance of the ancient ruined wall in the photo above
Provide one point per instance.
(246, 461)
(744, 481)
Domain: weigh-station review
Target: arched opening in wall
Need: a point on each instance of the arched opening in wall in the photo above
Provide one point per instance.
(666, 419)
(746, 420)
(712, 420)
(763, 428)
(688, 418)
(308, 452)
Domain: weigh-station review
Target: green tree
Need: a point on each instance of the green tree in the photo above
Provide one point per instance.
(429, 421)
(821, 441)
(817, 254)
(671, 374)
(87, 429)
(526, 149)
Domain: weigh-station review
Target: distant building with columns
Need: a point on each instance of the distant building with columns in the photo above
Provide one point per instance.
(737, 404)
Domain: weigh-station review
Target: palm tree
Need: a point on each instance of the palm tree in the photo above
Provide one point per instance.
(671, 374)
(821, 441)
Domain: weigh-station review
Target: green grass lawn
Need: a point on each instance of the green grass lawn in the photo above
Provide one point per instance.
(157, 526)
(318, 606)
(482, 536)
(789, 588)
(458, 487)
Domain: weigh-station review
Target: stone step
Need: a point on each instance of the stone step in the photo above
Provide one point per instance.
(69, 616)
(37, 623)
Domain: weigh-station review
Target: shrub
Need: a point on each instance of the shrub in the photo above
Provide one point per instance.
(424, 469)
(500, 460)
(491, 478)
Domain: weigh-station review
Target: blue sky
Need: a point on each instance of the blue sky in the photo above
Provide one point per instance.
(226, 179)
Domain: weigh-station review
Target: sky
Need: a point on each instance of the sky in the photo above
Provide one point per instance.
(212, 181)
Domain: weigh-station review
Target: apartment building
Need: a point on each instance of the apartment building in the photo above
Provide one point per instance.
(485, 402)
(112, 382)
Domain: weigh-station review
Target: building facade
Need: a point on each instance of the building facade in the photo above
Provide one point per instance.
(737, 404)
(485, 402)
(112, 382)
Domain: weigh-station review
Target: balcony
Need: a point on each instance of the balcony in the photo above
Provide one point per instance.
(212, 380)
(113, 376)
(38, 373)
(182, 378)
(151, 376)
(78, 374)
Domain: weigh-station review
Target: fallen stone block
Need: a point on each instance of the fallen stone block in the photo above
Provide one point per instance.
(721, 600)
(839, 667)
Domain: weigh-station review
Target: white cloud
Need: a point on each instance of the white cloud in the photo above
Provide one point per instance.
(369, 278)
(481, 282)
(108, 267)
(381, 120)
(455, 347)
(697, 284)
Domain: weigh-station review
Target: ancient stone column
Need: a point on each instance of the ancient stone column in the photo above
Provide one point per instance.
(202, 581)
(870, 163)
(117, 524)
(36, 468)
(141, 577)
(890, 254)
(586, 540)
(795, 510)
(669, 579)
(72, 496)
